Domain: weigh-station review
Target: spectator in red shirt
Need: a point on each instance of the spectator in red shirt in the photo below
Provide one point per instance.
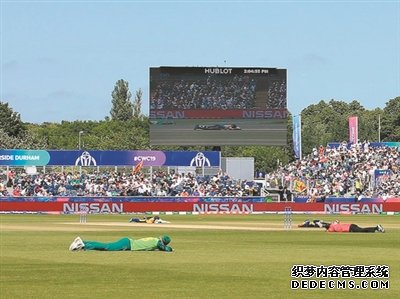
(17, 191)
(337, 227)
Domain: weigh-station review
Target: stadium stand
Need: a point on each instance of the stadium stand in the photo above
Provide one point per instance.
(345, 171)
(126, 184)
(342, 172)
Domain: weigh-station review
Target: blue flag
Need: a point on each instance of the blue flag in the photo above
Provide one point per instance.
(297, 136)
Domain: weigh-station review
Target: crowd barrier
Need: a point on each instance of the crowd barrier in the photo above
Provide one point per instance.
(200, 205)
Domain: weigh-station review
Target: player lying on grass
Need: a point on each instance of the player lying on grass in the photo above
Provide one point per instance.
(144, 244)
(341, 227)
(337, 227)
(314, 223)
(150, 220)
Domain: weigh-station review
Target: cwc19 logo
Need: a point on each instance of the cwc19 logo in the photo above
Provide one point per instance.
(85, 160)
(145, 158)
(200, 160)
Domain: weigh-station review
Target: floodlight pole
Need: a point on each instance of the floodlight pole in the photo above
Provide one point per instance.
(379, 128)
(80, 133)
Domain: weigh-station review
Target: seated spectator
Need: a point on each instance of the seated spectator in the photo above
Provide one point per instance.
(17, 191)
(344, 171)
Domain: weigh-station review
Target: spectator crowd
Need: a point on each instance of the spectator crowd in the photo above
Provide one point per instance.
(345, 171)
(237, 92)
(276, 95)
(160, 183)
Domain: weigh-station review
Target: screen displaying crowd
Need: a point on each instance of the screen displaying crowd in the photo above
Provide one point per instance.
(187, 88)
(276, 95)
(237, 92)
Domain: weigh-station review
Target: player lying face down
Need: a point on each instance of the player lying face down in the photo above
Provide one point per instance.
(143, 244)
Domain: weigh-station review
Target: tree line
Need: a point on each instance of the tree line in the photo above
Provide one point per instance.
(127, 128)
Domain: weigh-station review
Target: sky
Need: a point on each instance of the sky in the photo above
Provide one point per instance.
(60, 60)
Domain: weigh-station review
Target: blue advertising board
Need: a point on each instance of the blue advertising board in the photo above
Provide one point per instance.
(24, 157)
(381, 176)
(371, 144)
(108, 158)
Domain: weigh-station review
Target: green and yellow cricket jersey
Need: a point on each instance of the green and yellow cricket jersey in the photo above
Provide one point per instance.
(148, 244)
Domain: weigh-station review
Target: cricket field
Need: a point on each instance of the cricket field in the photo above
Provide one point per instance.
(215, 256)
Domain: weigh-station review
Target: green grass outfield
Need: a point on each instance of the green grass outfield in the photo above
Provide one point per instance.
(216, 256)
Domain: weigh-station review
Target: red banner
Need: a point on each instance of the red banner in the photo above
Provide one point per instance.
(212, 113)
(353, 129)
(199, 207)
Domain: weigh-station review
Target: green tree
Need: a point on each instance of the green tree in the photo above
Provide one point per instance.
(316, 121)
(391, 120)
(122, 107)
(26, 140)
(368, 125)
(119, 135)
(329, 122)
(102, 135)
(265, 158)
(14, 133)
(6, 141)
(10, 121)
(137, 104)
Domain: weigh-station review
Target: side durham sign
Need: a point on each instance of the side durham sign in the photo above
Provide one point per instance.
(24, 157)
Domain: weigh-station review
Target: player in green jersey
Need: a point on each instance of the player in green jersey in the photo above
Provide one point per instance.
(144, 244)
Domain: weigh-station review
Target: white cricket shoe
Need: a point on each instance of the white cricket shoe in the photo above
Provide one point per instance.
(319, 223)
(380, 228)
(77, 244)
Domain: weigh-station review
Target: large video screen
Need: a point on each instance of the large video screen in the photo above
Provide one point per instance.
(218, 106)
